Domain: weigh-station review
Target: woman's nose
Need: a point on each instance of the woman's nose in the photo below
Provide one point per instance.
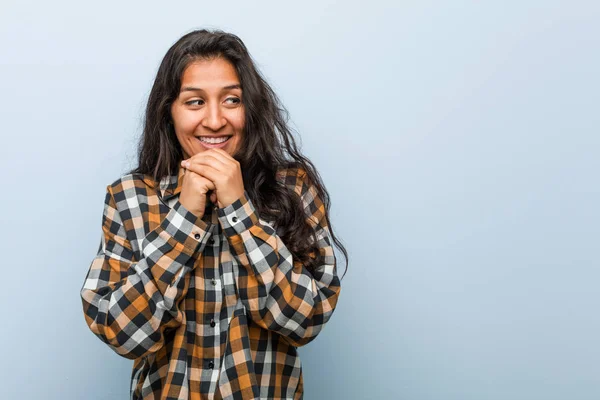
(213, 119)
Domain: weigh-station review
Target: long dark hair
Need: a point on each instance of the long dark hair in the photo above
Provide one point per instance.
(267, 141)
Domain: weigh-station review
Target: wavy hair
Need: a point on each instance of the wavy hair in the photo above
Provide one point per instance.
(267, 141)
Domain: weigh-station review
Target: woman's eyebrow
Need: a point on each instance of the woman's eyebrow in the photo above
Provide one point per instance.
(195, 89)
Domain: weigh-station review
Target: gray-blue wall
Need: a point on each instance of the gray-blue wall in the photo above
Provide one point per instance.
(459, 142)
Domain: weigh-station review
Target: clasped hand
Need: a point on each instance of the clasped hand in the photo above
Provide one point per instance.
(222, 170)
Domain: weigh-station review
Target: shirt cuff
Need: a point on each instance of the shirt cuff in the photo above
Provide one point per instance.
(238, 216)
(185, 228)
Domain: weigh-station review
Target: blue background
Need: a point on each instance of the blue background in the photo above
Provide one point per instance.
(459, 142)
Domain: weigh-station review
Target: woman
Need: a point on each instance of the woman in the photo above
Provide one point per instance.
(216, 260)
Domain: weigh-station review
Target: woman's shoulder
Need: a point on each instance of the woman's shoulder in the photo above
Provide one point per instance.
(292, 175)
(134, 183)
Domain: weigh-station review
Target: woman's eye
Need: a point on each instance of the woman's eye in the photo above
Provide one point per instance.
(191, 102)
(199, 102)
(235, 99)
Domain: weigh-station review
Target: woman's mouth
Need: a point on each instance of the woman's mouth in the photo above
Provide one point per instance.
(213, 142)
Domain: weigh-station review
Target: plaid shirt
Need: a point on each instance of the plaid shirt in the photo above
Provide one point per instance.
(211, 307)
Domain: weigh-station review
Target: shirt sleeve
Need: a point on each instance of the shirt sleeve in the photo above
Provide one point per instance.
(129, 303)
(278, 291)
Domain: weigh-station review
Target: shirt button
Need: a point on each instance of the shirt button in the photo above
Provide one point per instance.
(211, 241)
(234, 219)
(211, 364)
(197, 236)
(212, 323)
(214, 282)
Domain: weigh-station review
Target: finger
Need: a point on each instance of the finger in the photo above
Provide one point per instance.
(224, 154)
(210, 184)
(205, 171)
(207, 159)
(212, 153)
(221, 155)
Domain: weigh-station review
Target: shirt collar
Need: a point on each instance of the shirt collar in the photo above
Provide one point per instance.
(170, 185)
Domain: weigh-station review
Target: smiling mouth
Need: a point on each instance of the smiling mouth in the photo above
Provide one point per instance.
(213, 143)
(213, 140)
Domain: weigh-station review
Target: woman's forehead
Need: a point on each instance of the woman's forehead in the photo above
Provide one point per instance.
(210, 75)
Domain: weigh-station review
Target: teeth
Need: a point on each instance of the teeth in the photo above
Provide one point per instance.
(214, 140)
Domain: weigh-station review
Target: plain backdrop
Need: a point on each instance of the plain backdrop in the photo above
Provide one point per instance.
(459, 143)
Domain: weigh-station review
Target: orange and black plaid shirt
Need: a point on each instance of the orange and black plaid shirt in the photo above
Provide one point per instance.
(211, 307)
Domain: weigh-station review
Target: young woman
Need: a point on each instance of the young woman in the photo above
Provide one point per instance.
(216, 259)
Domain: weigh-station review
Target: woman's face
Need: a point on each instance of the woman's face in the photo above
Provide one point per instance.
(209, 106)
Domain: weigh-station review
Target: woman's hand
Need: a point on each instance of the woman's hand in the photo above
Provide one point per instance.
(222, 170)
(193, 192)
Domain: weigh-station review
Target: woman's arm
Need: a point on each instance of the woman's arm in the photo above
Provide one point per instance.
(278, 291)
(129, 303)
